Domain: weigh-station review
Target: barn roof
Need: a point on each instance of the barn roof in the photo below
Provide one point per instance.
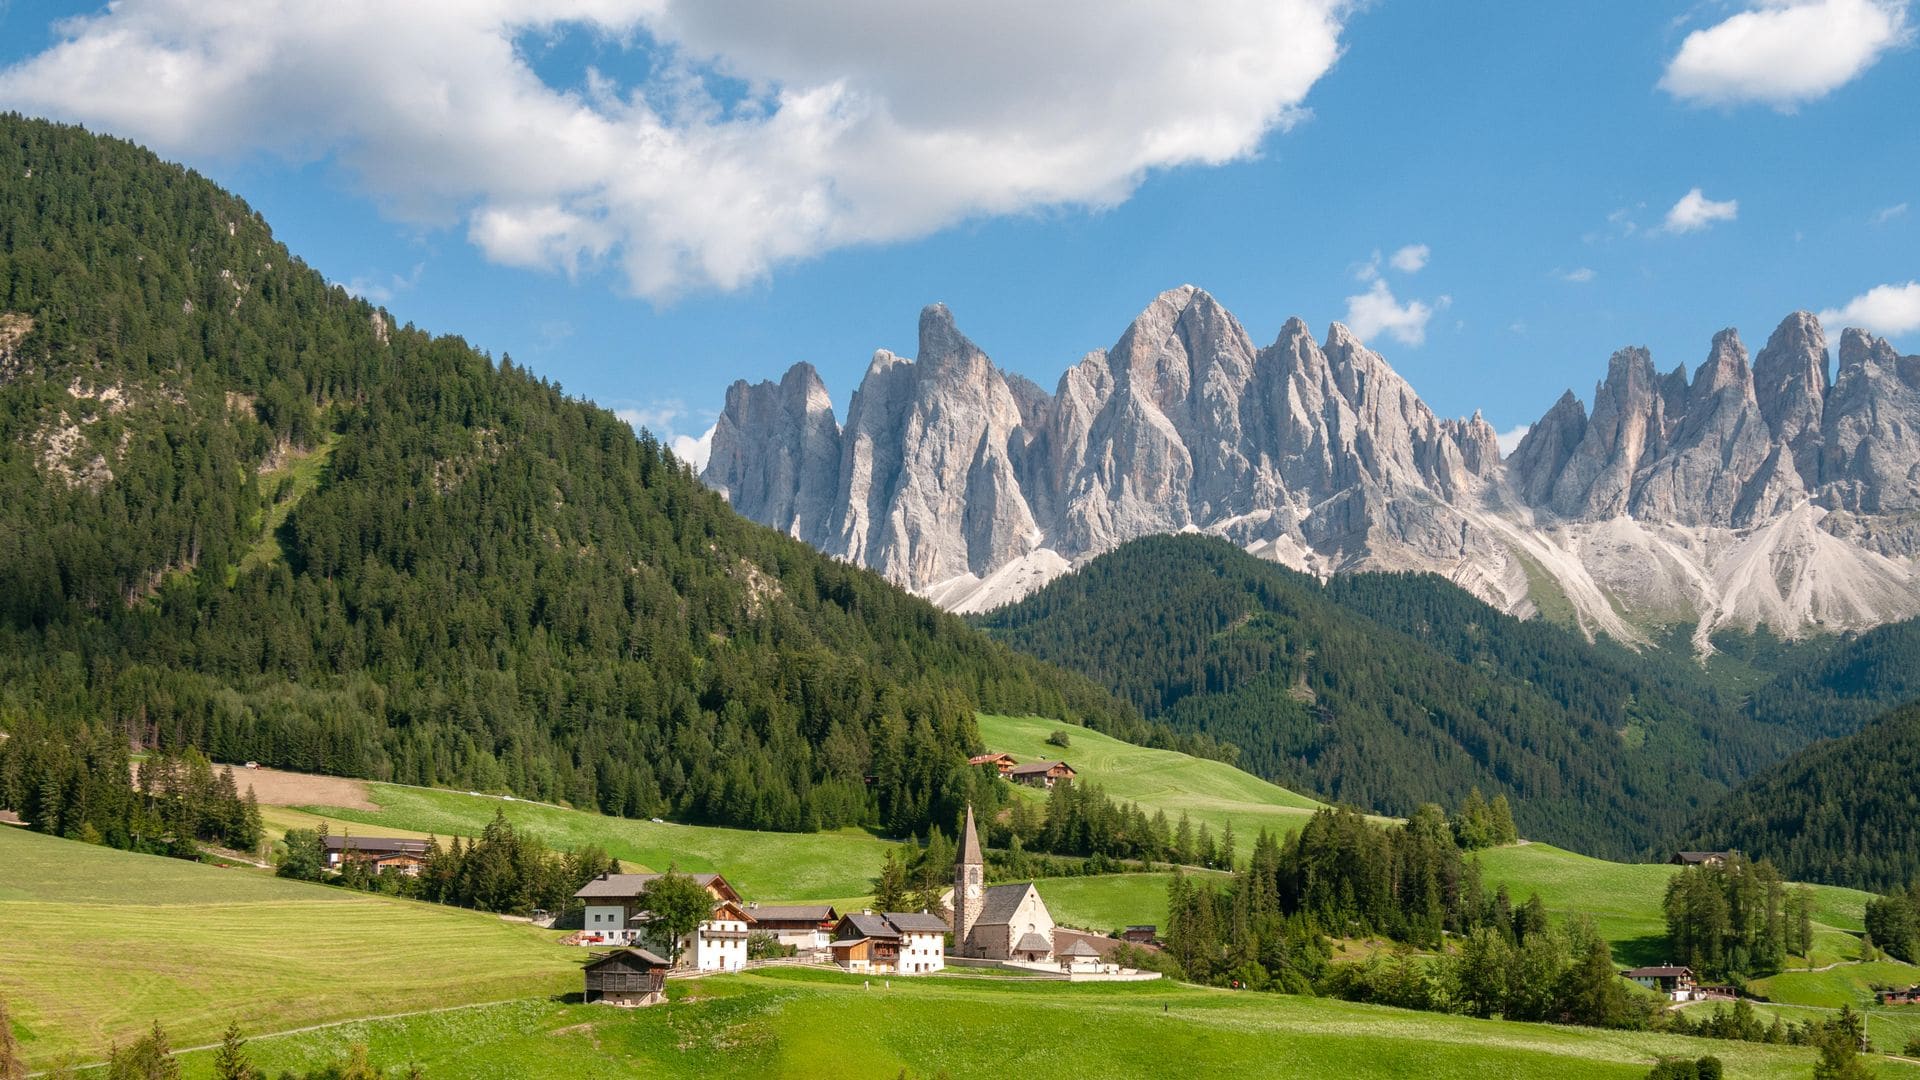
(404, 844)
(1657, 972)
(627, 886)
(773, 913)
(1033, 767)
(641, 955)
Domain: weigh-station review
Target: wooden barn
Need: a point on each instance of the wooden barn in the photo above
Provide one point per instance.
(1909, 996)
(629, 977)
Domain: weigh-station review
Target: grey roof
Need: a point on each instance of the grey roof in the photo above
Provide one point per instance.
(1656, 972)
(970, 842)
(766, 913)
(845, 943)
(624, 886)
(999, 902)
(1032, 943)
(1078, 948)
(1037, 767)
(643, 955)
(1700, 856)
(918, 922)
(406, 844)
(870, 925)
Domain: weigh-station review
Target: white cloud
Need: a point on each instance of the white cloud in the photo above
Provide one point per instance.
(663, 419)
(1695, 211)
(693, 451)
(1784, 53)
(1378, 311)
(1511, 437)
(1579, 275)
(766, 131)
(1888, 310)
(1410, 259)
(1888, 213)
(376, 290)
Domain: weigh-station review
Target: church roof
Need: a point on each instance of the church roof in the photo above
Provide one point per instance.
(1079, 948)
(999, 902)
(1032, 943)
(970, 843)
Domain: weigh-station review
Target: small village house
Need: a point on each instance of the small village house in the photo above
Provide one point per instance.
(1003, 762)
(1041, 774)
(1700, 858)
(1675, 982)
(630, 977)
(1144, 934)
(613, 913)
(807, 927)
(400, 854)
(1909, 996)
(890, 943)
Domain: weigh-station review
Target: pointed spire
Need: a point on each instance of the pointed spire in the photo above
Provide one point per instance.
(970, 843)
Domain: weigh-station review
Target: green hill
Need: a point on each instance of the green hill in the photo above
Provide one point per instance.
(241, 510)
(1840, 811)
(1386, 691)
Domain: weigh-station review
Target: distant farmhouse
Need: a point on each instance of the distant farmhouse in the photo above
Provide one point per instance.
(1003, 762)
(614, 913)
(890, 943)
(807, 927)
(403, 855)
(1675, 982)
(1141, 935)
(1700, 858)
(999, 922)
(1041, 774)
(629, 977)
(1909, 996)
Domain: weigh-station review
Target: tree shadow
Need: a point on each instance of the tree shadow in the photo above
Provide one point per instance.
(1644, 951)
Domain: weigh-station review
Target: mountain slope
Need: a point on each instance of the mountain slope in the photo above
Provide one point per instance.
(240, 509)
(1385, 691)
(1763, 494)
(1841, 811)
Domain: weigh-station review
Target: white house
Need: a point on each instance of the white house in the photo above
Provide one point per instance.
(614, 914)
(806, 927)
(892, 943)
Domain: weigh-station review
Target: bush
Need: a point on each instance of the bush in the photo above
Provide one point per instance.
(1060, 738)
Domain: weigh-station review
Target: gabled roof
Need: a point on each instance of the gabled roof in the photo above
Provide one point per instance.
(773, 913)
(641, 955)
(867, 924)
(1700, 856)
(1078, 948)
(1033, 767)
(406, 844)
(628, 886)
(1032, 943)
(1657, 972)
(916, 922)
(999, 902)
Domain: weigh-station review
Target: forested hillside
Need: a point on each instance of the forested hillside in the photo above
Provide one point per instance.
(1385, 691)
(242, 511)
(1845, 811)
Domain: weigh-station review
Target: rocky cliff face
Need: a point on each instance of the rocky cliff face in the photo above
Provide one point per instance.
(1746, 494)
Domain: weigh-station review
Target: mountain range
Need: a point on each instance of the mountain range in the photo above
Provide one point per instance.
(1768, 492)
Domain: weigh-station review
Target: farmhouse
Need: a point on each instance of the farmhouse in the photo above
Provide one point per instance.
(1145, 934)
(1675, 982)
(1002, 762)
(630, 977)
(1700, 858)
(398, 853)
(1041, 774)
(614, 913)
(1001, 922)
(808, 927)
(891, 943)
(1909, 996)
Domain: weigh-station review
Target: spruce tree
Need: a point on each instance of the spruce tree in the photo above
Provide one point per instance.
(230, 1061)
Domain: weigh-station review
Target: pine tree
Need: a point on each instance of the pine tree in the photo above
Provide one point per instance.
(230, 1060)
(890, 888)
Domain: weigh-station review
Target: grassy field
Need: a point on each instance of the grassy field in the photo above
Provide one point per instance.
(808, 1024)
(764, 866)
(1625, 899)
(96, 944)
(1207, 791)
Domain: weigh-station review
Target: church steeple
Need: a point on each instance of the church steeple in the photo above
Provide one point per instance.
(969, 876)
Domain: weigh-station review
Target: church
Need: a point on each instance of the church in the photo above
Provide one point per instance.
(998, 922)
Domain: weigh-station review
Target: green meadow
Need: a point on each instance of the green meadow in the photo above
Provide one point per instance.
(815, 1024)
(96, 944)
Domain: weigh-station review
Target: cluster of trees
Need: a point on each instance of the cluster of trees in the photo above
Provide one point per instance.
(1736, 919)
(913, 876)
(1702, 1068)
(83, 785)
(1081, 819)
(333, 545)
(1481, 824)
(499, 870)
(1893, 923)
(1388, 691)
(1741, 1023)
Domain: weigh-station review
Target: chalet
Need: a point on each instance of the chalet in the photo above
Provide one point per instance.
(803, 926)
(1141, 935)
(397, 853)
(630, 977)
(1909, 996)
(999, 922)
(1700, 858)
(1675, 982)
(1002, 762)
(1041, 774)
(614, 913)
(890, 943)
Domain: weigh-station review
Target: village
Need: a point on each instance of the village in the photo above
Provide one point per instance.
(1004, 927)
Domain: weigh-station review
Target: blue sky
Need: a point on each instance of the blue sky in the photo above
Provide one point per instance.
(646, 201)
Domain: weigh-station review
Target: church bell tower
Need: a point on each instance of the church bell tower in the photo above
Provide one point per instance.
(969, 876)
